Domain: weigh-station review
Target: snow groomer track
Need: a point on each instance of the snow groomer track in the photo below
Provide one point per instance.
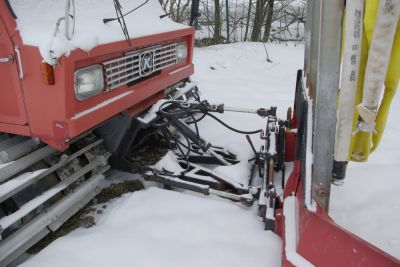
(40, 188)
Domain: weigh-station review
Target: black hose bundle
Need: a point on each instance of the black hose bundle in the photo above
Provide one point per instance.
(181, 110)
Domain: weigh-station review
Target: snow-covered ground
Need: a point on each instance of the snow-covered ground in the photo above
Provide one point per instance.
(368, 204)
(155, 227)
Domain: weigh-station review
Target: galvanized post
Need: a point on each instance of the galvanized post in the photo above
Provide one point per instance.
(324, 77)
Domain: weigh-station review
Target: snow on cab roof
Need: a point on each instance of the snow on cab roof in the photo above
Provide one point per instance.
(36, 21)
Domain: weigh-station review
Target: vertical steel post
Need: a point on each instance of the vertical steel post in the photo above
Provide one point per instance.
(324, 60)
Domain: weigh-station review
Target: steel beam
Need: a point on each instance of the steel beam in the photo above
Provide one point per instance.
(325, 70)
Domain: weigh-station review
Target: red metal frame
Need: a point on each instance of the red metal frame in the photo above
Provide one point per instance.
(320, 240)
(51, 109)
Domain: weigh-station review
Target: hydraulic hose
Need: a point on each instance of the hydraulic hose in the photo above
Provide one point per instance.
(233, 129)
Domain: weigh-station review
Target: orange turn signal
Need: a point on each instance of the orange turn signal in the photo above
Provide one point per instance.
(47, 73)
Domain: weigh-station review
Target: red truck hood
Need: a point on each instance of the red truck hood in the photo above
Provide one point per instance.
(36, 22)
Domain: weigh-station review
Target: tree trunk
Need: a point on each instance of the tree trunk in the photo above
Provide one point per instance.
(258, 21)
(268, 22)
(227, 20)
(178, 10)
(171, 10)
(217, 22)
(246, 33)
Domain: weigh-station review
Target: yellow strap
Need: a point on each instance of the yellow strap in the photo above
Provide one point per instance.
(362, 143)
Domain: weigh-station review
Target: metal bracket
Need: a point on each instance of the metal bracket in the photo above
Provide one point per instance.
(205, 175)
(9, 59)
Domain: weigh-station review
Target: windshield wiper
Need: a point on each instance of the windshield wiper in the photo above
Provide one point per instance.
(122, 16)
(121, 20)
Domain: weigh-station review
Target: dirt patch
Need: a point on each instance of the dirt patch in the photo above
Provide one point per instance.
(117, 190)
(148, 155)
(85, 217)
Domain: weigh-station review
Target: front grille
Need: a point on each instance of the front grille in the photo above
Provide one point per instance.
(127, 69)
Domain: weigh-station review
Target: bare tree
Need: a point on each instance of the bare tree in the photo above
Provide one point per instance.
(268, 23)
(182, 11)
(291, 19)
(217, 22)
(258, 21)
(235, 20)
(227, 20)
(246, 33)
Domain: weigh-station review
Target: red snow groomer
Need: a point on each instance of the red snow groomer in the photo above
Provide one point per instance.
(76, 82)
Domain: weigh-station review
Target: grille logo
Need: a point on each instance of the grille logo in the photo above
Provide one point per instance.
(146, 65)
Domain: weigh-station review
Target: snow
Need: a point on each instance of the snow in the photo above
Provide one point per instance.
(156, 227)
(37, 27)
(238, 174)
(170, 163)
(368, 203)
(289, 211)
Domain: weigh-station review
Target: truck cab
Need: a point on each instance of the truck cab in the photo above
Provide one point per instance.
(57, 85)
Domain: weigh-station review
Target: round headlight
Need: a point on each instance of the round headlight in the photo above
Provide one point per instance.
(89, 82)
(181, 51)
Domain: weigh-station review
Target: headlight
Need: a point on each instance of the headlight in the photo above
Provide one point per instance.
(181, 51)
(88, 82)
